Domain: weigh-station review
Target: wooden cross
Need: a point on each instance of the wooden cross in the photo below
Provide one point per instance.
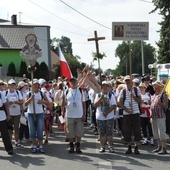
(96, 39)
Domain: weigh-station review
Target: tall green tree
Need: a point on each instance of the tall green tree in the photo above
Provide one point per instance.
(65, 45)
(23, 68)
(163, 6)
(11, 69)
(122, 51)
(44, 71)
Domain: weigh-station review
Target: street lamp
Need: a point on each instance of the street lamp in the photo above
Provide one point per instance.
(150, 66)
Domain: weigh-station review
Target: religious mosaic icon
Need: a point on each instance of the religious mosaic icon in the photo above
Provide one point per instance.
(31, 51)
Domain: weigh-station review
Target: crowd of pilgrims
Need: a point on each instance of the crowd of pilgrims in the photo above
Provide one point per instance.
(134, 108)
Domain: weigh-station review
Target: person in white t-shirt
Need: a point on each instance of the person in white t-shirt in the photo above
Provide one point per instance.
(105, 103)
(35, 101)
(23, 130)
(4, 117)
(129, 100)
(145, 115)
(75, 109)
(15, 101)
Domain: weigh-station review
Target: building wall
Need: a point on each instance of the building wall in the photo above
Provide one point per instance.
(43, 37)
(8, 56)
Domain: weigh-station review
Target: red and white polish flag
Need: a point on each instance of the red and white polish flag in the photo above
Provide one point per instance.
(64, 67)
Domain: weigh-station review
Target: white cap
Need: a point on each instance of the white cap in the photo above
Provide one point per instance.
(22, 84)
(105, 82)
(42, 81)
(36, 81)
(12, 81)
(135, 80)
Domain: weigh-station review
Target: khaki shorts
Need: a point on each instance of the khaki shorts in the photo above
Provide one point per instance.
(74, 127)
(16, 122)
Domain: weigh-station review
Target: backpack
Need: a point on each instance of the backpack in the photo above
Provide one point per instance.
(6, 93)
(110, 94)
(136, 93)
(2, 107)
(68, 90)
(124, 93)
(41, 93)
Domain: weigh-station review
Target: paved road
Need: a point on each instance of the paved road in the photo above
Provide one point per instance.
(58, 158)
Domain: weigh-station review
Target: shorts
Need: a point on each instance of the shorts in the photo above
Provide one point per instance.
(105, 127)
(132, 127)
(16, 122)
(74, 127)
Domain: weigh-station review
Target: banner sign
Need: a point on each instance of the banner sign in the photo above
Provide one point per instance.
(130, 31)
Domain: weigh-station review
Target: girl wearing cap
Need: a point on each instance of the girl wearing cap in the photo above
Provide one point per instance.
(23, 130)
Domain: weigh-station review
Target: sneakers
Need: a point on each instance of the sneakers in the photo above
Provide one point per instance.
(145, 142)
(111, 150)
(92, 125)
(41, 150)
(157, 150)
(129, 150)
(136, 151)
(18, 144)
(163, 151)
(152, 142)
(102, 149)
(34, 149)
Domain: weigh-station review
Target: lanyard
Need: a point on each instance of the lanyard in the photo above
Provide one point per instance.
(73, 96)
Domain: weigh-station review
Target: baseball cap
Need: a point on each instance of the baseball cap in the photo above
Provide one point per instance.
(42, 81)
(135, 80)
(11, 81)
(105, 82)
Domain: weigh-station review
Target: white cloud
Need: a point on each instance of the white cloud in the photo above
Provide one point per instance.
(102, 11)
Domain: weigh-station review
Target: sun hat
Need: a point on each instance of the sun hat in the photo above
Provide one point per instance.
(11, 81)
(158, 83)
(22, 84)
(126, 78)
(142, 85)
(1, 82)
